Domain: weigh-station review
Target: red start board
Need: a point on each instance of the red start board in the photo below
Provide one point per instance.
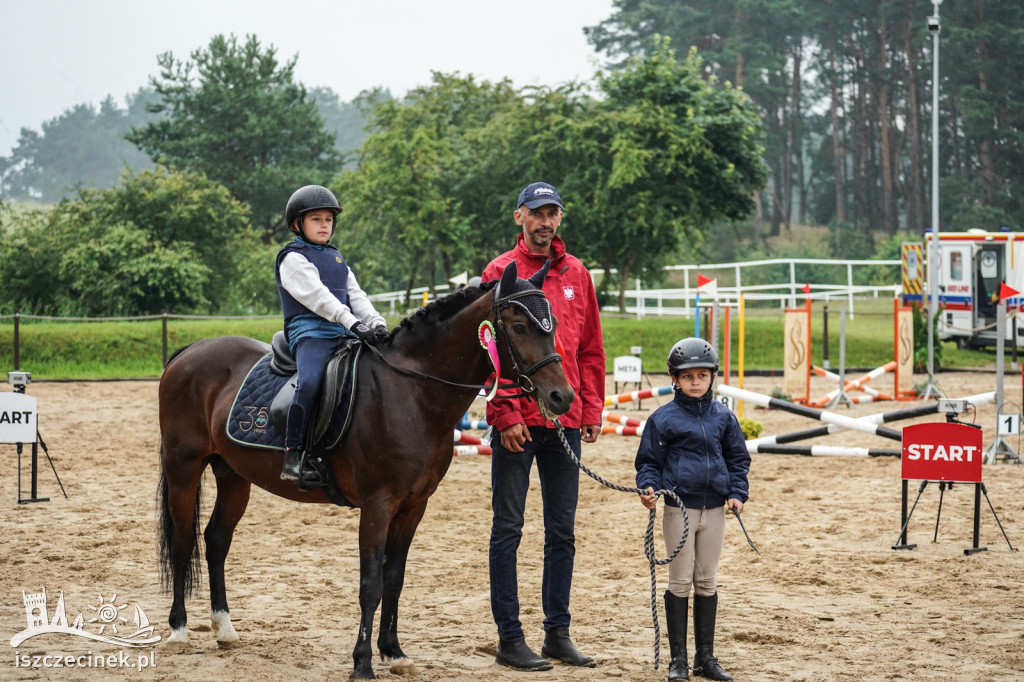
(942, 451)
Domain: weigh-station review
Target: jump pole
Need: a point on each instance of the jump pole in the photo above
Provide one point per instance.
(466, 439)
(809, 412)
(879, 418)
(832, 376)
(823, 450)
(622, 419)
(740, 349)
(463, 450)
(636, 395)
(858, 383)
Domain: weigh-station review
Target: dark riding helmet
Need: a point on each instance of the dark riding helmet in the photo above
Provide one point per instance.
(309, 198)
(692, 353)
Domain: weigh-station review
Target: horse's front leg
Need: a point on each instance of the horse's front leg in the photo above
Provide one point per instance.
(373, 530)
(400, 535)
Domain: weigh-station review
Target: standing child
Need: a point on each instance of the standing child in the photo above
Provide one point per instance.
(694, 447)
(323, 305)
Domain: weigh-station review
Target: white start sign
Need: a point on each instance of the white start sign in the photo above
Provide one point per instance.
(17, 418)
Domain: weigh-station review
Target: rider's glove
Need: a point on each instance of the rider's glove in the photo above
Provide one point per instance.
(365, 334)
(382, 333)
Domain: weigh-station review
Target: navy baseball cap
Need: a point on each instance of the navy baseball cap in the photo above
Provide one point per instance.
(539, 194)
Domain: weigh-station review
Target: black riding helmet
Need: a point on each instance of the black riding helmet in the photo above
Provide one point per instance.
(306, 199)
(692, 353)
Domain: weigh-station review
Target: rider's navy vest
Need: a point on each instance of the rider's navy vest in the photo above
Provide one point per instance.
(328, 262)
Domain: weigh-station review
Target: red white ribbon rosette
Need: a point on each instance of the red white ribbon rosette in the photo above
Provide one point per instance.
(486, 335)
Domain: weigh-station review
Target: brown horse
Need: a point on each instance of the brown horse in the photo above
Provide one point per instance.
(425, 378)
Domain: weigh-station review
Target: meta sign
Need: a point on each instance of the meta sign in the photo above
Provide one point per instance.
(942, 452)
(17, 418)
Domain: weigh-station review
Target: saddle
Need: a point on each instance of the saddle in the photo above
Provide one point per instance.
(259, 412)
(333, 393)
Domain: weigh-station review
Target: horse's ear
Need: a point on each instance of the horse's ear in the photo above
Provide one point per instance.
(508, 277)
(538, 277)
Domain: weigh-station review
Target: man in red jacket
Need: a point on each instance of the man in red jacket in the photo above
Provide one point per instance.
(521, 434)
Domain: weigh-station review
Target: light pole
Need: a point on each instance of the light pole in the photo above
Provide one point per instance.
(933, 244)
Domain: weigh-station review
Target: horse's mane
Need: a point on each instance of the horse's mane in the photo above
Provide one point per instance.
(444, 307)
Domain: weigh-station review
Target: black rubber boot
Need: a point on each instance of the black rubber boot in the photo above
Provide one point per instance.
(557, 645)
(296, 469)
(292, 465)
(513, 653)
(705, 610)
(675, 617)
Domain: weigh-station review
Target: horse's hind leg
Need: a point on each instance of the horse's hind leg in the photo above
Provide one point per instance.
(400, 534)
(180, 494)
(232, 498)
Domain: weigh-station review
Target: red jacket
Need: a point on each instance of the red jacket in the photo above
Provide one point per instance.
(570, 290)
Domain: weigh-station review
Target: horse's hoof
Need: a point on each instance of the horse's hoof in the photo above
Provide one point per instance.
(177, 636)
(226, 635)
(402, 666)
(362, 676)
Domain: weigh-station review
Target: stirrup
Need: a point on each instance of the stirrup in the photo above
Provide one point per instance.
(311, 476)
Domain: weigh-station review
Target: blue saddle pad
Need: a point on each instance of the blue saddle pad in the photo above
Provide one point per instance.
(249, 419)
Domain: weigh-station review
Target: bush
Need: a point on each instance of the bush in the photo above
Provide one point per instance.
(751, 428)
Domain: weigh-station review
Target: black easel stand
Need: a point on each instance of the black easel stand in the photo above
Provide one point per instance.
(35, 471)
(979, 489)
(901, 541)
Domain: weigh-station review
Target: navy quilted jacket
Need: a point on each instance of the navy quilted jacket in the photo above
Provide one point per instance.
(695, 448)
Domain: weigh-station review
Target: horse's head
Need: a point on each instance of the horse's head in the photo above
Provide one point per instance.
(523, 317)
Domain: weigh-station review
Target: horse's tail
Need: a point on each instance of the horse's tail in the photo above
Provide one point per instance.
(175, 354)
(192, 567)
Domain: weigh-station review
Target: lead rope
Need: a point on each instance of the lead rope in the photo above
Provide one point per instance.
(648, 537)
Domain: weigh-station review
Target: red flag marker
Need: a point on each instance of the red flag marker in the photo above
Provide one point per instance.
(1006, 292)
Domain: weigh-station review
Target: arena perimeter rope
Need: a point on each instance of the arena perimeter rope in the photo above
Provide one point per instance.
(648, 537)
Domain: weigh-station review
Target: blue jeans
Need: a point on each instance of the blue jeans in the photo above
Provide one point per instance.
(559, 489)
(311, 356)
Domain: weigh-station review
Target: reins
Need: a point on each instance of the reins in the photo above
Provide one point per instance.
(523, 380)
(648, 536)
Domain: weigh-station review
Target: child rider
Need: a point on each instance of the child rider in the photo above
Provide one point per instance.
(322, 305)
(694, 447)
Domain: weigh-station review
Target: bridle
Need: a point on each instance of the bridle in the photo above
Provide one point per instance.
(522, 375)
(523, 380)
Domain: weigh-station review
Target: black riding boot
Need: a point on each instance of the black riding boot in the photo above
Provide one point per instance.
(705, 609)
(295, 468)
(675, 617)
(514, 653)
(557, 645)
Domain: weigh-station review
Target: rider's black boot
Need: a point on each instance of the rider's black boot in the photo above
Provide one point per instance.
(705, 610)
(296, 467)
(675, 617)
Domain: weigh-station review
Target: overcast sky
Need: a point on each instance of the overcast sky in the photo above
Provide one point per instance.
(55, 54)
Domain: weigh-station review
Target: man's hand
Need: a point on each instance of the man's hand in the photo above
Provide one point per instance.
(382, 333)
(365, 334)
(590, 432)
(514, 437)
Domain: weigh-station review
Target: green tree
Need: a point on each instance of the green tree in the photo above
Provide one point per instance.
(159, 242)
(345, 120)
(675, 153)
(235, 114)
(84, 146)
(410, 204)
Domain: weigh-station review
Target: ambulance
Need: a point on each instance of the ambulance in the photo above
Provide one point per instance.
(971, 266)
